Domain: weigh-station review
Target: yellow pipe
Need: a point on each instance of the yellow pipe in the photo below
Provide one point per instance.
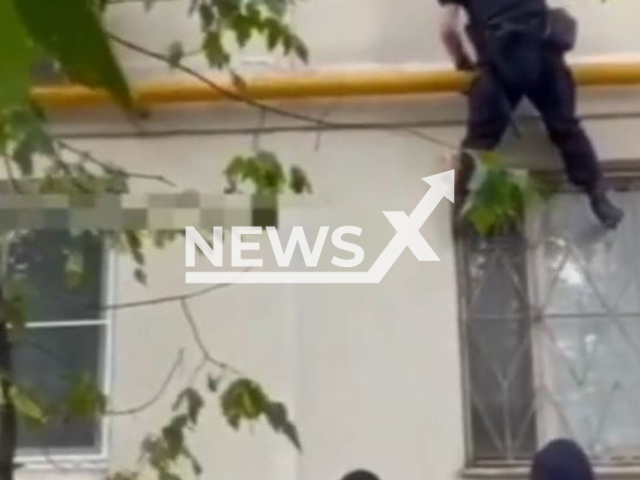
(316, 85)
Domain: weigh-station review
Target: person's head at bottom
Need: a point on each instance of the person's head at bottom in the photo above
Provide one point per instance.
(561, 459)
(360, 475)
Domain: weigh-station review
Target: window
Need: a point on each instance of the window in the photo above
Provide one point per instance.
(66, 339)
(551, 333)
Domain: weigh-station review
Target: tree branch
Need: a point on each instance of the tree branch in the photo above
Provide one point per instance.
(203, 363)
(117, 412)
(157, 396)
(15, 185)
(197, 336)
(50, 354)
(238, 97)
(87, 156)
(8, 414)
(167, 299)
(228, 93)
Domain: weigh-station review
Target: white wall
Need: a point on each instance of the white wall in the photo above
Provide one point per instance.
(361, 33)
(371, 373)
(361, 366)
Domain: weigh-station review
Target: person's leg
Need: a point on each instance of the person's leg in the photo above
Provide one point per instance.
(554, 97)
(489, 114)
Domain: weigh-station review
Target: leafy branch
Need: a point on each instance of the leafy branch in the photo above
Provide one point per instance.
(38, 163)
(498, 196)
(240, 97)
(225, 367)
(88, 157)
(241, 400)
(265, 173)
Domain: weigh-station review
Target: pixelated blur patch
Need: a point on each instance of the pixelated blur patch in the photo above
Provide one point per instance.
(123, 212)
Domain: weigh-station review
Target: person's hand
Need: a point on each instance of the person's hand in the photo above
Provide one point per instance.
(465, 64)
(451, 160)
(468, 66)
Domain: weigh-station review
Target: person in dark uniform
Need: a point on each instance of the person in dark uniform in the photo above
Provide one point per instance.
(514, 61)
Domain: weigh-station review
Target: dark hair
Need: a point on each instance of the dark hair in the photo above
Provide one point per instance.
(360, 475)
(561, 459)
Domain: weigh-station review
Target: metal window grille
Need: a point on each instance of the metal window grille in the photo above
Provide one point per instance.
(550, 322)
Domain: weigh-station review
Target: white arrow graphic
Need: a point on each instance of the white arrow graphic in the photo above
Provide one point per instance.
(407, 236)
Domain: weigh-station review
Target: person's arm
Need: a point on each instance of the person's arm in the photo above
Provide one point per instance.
(450, 33)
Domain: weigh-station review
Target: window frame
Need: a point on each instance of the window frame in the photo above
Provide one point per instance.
(86, 460)
(472, 464)
(621, 180)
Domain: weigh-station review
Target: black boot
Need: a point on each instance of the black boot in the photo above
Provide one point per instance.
(607, 213)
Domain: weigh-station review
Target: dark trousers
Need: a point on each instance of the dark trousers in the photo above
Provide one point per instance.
(492, 102)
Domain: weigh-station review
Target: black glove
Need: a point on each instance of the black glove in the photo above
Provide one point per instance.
(465, 64)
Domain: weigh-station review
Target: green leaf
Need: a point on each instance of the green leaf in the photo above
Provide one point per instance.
(216, 55)
(300, 49)
(265, 172)
(154, 448)
(499, 196)
(277, 7)
(299, 181)
(227, 8)
(254, 15)
(233, 173)
(274, 32)
(271, 178)
(101, 5)
(162, 237)
(243, 27)
(491, 158)
(237, 80)
(140, 276)
(115, 181)
(212, 383)
(23, 156)
(482, 219)
(74, 268)
(194, 403)
(167, 475)
(243, 400)
(207, 17)
(28, 407)
(173, 435)
(70, 31)
(16, 54)
(195, 465)
(85, 400)
(15, 309)
(175, 54)
(287, 41)
(278, 418)
(134, 243)
(123, 475)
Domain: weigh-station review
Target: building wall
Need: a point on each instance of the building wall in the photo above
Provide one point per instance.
(371, 33)
(371, 373)
(345, 358)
